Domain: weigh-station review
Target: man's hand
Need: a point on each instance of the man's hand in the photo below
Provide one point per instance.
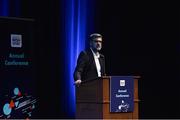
(77, 82)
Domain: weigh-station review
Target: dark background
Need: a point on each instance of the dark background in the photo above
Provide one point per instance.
(140, 38)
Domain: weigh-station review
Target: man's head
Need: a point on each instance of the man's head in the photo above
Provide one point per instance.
(96, 41)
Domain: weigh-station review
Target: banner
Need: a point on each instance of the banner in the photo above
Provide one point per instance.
(121, 94)
(17, 83)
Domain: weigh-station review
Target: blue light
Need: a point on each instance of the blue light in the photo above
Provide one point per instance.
(4, 7)
(10, 8)
(75, 28)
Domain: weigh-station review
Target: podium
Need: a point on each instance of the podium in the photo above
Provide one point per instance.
(93, 100)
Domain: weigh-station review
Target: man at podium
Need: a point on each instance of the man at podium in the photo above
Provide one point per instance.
(90, 63)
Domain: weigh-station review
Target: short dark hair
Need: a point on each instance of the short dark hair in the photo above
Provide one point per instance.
(94, 36)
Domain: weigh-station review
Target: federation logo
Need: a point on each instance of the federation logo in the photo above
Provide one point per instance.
(16, 40)
(122, 83)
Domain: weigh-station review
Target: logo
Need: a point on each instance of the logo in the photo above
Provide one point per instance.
(122, 82)
(16, 40)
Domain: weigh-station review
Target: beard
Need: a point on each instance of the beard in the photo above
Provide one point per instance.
(98, 48)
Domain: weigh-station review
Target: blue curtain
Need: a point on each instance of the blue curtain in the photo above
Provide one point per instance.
(10, 8)
(76, 27)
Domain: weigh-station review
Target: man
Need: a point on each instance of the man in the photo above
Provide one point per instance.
(90, 63)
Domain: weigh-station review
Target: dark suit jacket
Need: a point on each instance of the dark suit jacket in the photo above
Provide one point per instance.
(86, 67)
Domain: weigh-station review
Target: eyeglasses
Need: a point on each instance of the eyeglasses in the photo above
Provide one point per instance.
(96, 41)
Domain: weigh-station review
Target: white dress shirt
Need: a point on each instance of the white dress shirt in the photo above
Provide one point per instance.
(98, 66)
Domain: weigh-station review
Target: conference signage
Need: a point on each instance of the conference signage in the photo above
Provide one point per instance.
(17, 90)
(121, 94)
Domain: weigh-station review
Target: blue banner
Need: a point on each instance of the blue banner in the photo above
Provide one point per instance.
(121, 94)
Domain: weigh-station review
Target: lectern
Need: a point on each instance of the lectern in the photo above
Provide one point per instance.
(93, 100)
